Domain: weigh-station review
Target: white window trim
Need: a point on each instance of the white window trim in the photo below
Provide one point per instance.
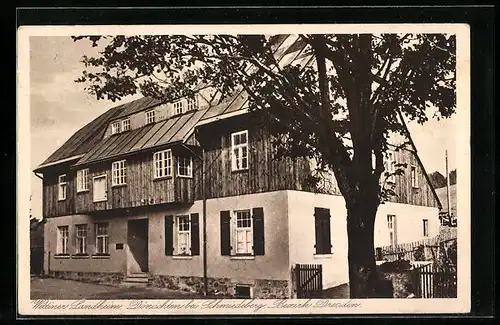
(148, 115)
(84, 238)
(179, 104)
(190, 167)
(424, 223)
(62, 249)
(234, 234)
(62, 188)
(105, 198)
(115, 127)
(106, 241)
(123, 124)
(414, 184)
(119, 173)
(82, 180)
(177, 235)
(243, 146)
(164, 161)
(192, 104)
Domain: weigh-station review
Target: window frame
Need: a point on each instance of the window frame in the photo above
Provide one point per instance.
(119, 173)
(240, 147)
(105, 194)
(246, 230)
(391, 166)
(115, 127)
(62, 240)
(126, 122)
(82, 181)
(62, 187)
(150, 116)
(413, 176)
(163, 163)
(391, 228)
(178, 233)
(188, 168)
(105, 242)
(425, 225)
(81, 249)
(192, 104)
(178, 107)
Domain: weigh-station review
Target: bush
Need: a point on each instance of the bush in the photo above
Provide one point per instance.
(419, 253)
(395, 266)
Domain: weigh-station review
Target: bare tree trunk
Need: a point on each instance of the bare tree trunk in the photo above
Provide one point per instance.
(363, 280)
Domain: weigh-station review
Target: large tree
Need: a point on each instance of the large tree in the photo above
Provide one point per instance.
(339, 108)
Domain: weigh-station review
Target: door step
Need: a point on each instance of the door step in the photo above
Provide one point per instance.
(136, 279)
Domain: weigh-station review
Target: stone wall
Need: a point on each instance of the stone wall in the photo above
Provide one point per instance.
(223, 287)
(94, 277)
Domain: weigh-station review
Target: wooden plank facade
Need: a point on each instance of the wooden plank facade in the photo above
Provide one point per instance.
(265, 173)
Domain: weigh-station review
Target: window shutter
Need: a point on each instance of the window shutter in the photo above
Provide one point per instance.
(258, 231)
(317, 230)
(225, 231)
(195, 234)
(169, 235)
(327, 240)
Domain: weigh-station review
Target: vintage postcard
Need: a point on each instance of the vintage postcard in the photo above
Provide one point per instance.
(243, 169)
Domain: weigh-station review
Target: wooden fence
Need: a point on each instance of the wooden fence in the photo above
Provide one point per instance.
(435, 282)
(309, 280)
(407, 251)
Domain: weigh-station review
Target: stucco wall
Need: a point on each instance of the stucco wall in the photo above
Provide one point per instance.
(335, 266)
(409, 224)
(116, 261)
(302, 235)
(273, 265)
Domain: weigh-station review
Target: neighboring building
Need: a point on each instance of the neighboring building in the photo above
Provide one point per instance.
(124, 195)
(442, 193)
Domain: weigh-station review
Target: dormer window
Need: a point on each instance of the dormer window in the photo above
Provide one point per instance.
(125, 124)
(115, 127)
(150, 116)
(178, 107)
(192, 103)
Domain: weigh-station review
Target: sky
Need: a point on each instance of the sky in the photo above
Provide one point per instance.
(59, 107)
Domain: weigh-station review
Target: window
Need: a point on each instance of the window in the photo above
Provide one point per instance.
(178, 107)
(239, 144)
(81, 239)
(163, 163)
(101, 238)
(119, 172)
(242, 232)
(82, 180)
(100, 188)
(150, 116)
(125, 124)
(183, 226)
(390, 167)
(391, 226)
(185, 166)
(323, 242)
(414, 179)
(115, 127)
(243, 292)
(192, 103)
(182, 235)
(62, 240)
(426, 227)
(62, 187)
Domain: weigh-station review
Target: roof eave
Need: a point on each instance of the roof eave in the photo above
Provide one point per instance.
(57, 162)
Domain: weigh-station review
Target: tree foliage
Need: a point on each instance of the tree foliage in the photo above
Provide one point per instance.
(338, 102)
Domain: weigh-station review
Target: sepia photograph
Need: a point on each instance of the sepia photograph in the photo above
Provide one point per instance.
(230, 169)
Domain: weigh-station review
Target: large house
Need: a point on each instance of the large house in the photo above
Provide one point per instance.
(189, 191)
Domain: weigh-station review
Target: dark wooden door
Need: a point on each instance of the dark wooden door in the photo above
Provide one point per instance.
(138, 242)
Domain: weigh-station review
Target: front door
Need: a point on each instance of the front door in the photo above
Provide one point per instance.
(137, 239)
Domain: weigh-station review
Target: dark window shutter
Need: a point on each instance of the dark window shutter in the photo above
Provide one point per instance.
(258, 231)
(225, 233)
(322, 231)
(169, 235)
(195, 234)
(327, 240)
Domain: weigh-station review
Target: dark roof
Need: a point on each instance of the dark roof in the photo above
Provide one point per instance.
(88, 144)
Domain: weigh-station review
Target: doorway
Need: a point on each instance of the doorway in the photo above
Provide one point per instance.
(137, 240)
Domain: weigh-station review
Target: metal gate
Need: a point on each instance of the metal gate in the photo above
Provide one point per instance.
(309, 280)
